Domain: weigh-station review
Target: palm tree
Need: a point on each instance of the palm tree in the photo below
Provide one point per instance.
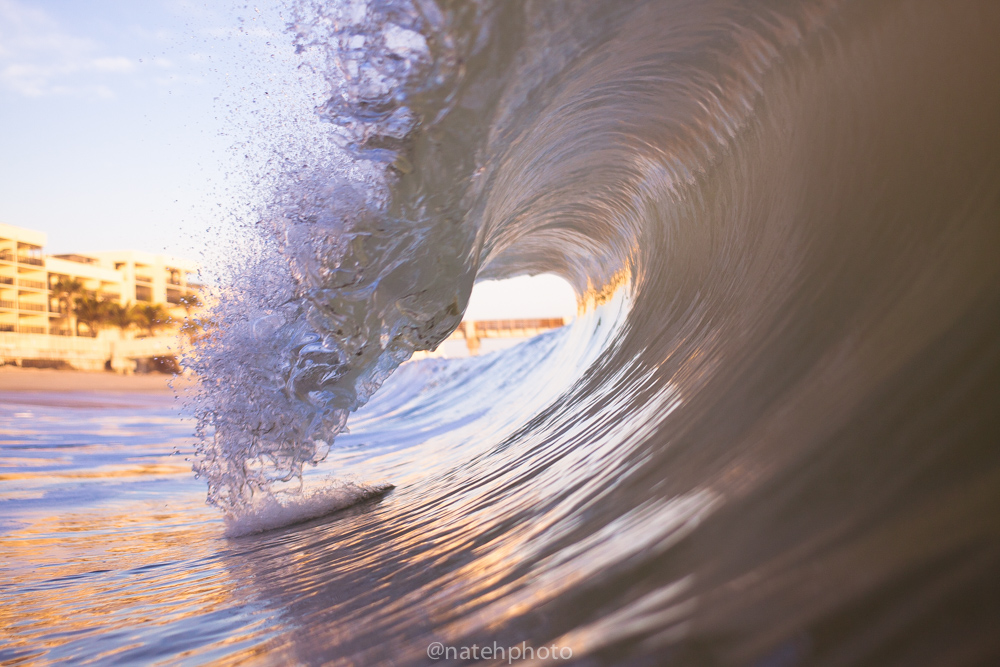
(68, 290)
(92, 312)
(123, 317)
(190, 327)
(190, 302)
(152, 316)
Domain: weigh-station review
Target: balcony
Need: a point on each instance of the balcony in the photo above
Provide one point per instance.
(31, 330)
(7, 328)
(34, 261)
(8, 304)
(34, 307)
(6, 256)
(31, 284)
(79, 259)
(6, 280)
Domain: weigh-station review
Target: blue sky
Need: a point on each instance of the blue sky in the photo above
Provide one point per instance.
(116, 130)
(120, 119)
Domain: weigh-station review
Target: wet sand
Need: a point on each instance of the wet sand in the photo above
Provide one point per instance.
(13, 380)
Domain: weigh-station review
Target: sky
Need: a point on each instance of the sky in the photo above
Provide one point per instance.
(116, 130)
(522, 297)
(123, 120)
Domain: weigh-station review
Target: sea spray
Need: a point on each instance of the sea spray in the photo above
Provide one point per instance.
(331, 301)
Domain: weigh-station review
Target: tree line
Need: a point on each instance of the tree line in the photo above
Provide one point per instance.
(86, 307)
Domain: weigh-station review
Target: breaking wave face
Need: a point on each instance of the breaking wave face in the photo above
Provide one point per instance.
(772, 434)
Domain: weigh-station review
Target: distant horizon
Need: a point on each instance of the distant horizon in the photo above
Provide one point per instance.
(545, 295)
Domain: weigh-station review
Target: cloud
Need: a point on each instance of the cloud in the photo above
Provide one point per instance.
(118, 64)
(38, 57)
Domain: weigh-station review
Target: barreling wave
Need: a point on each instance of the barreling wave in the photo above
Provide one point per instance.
(772, 435)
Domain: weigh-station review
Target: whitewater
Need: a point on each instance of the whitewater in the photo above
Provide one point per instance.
(770, 436)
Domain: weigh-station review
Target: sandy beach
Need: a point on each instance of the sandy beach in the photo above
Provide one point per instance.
(14, 379)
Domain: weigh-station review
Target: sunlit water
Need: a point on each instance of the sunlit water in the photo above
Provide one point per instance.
(111, 555)
(103, 525)
(769, 439)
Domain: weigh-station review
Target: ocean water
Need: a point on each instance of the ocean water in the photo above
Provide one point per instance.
(770, 438)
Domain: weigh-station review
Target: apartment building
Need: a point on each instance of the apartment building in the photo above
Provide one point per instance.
(29, 304)
(23, 281)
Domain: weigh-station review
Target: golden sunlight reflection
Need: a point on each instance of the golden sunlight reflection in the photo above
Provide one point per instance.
(93, 572)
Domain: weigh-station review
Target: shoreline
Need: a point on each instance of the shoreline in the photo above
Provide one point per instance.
(16, 380)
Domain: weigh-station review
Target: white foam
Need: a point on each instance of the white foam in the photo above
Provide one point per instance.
(405, 43)
(269, 511)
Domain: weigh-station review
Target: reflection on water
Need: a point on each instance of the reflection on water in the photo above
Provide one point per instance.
(108, 551)
(110, 554)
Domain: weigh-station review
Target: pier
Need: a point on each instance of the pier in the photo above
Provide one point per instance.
(474, 331)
